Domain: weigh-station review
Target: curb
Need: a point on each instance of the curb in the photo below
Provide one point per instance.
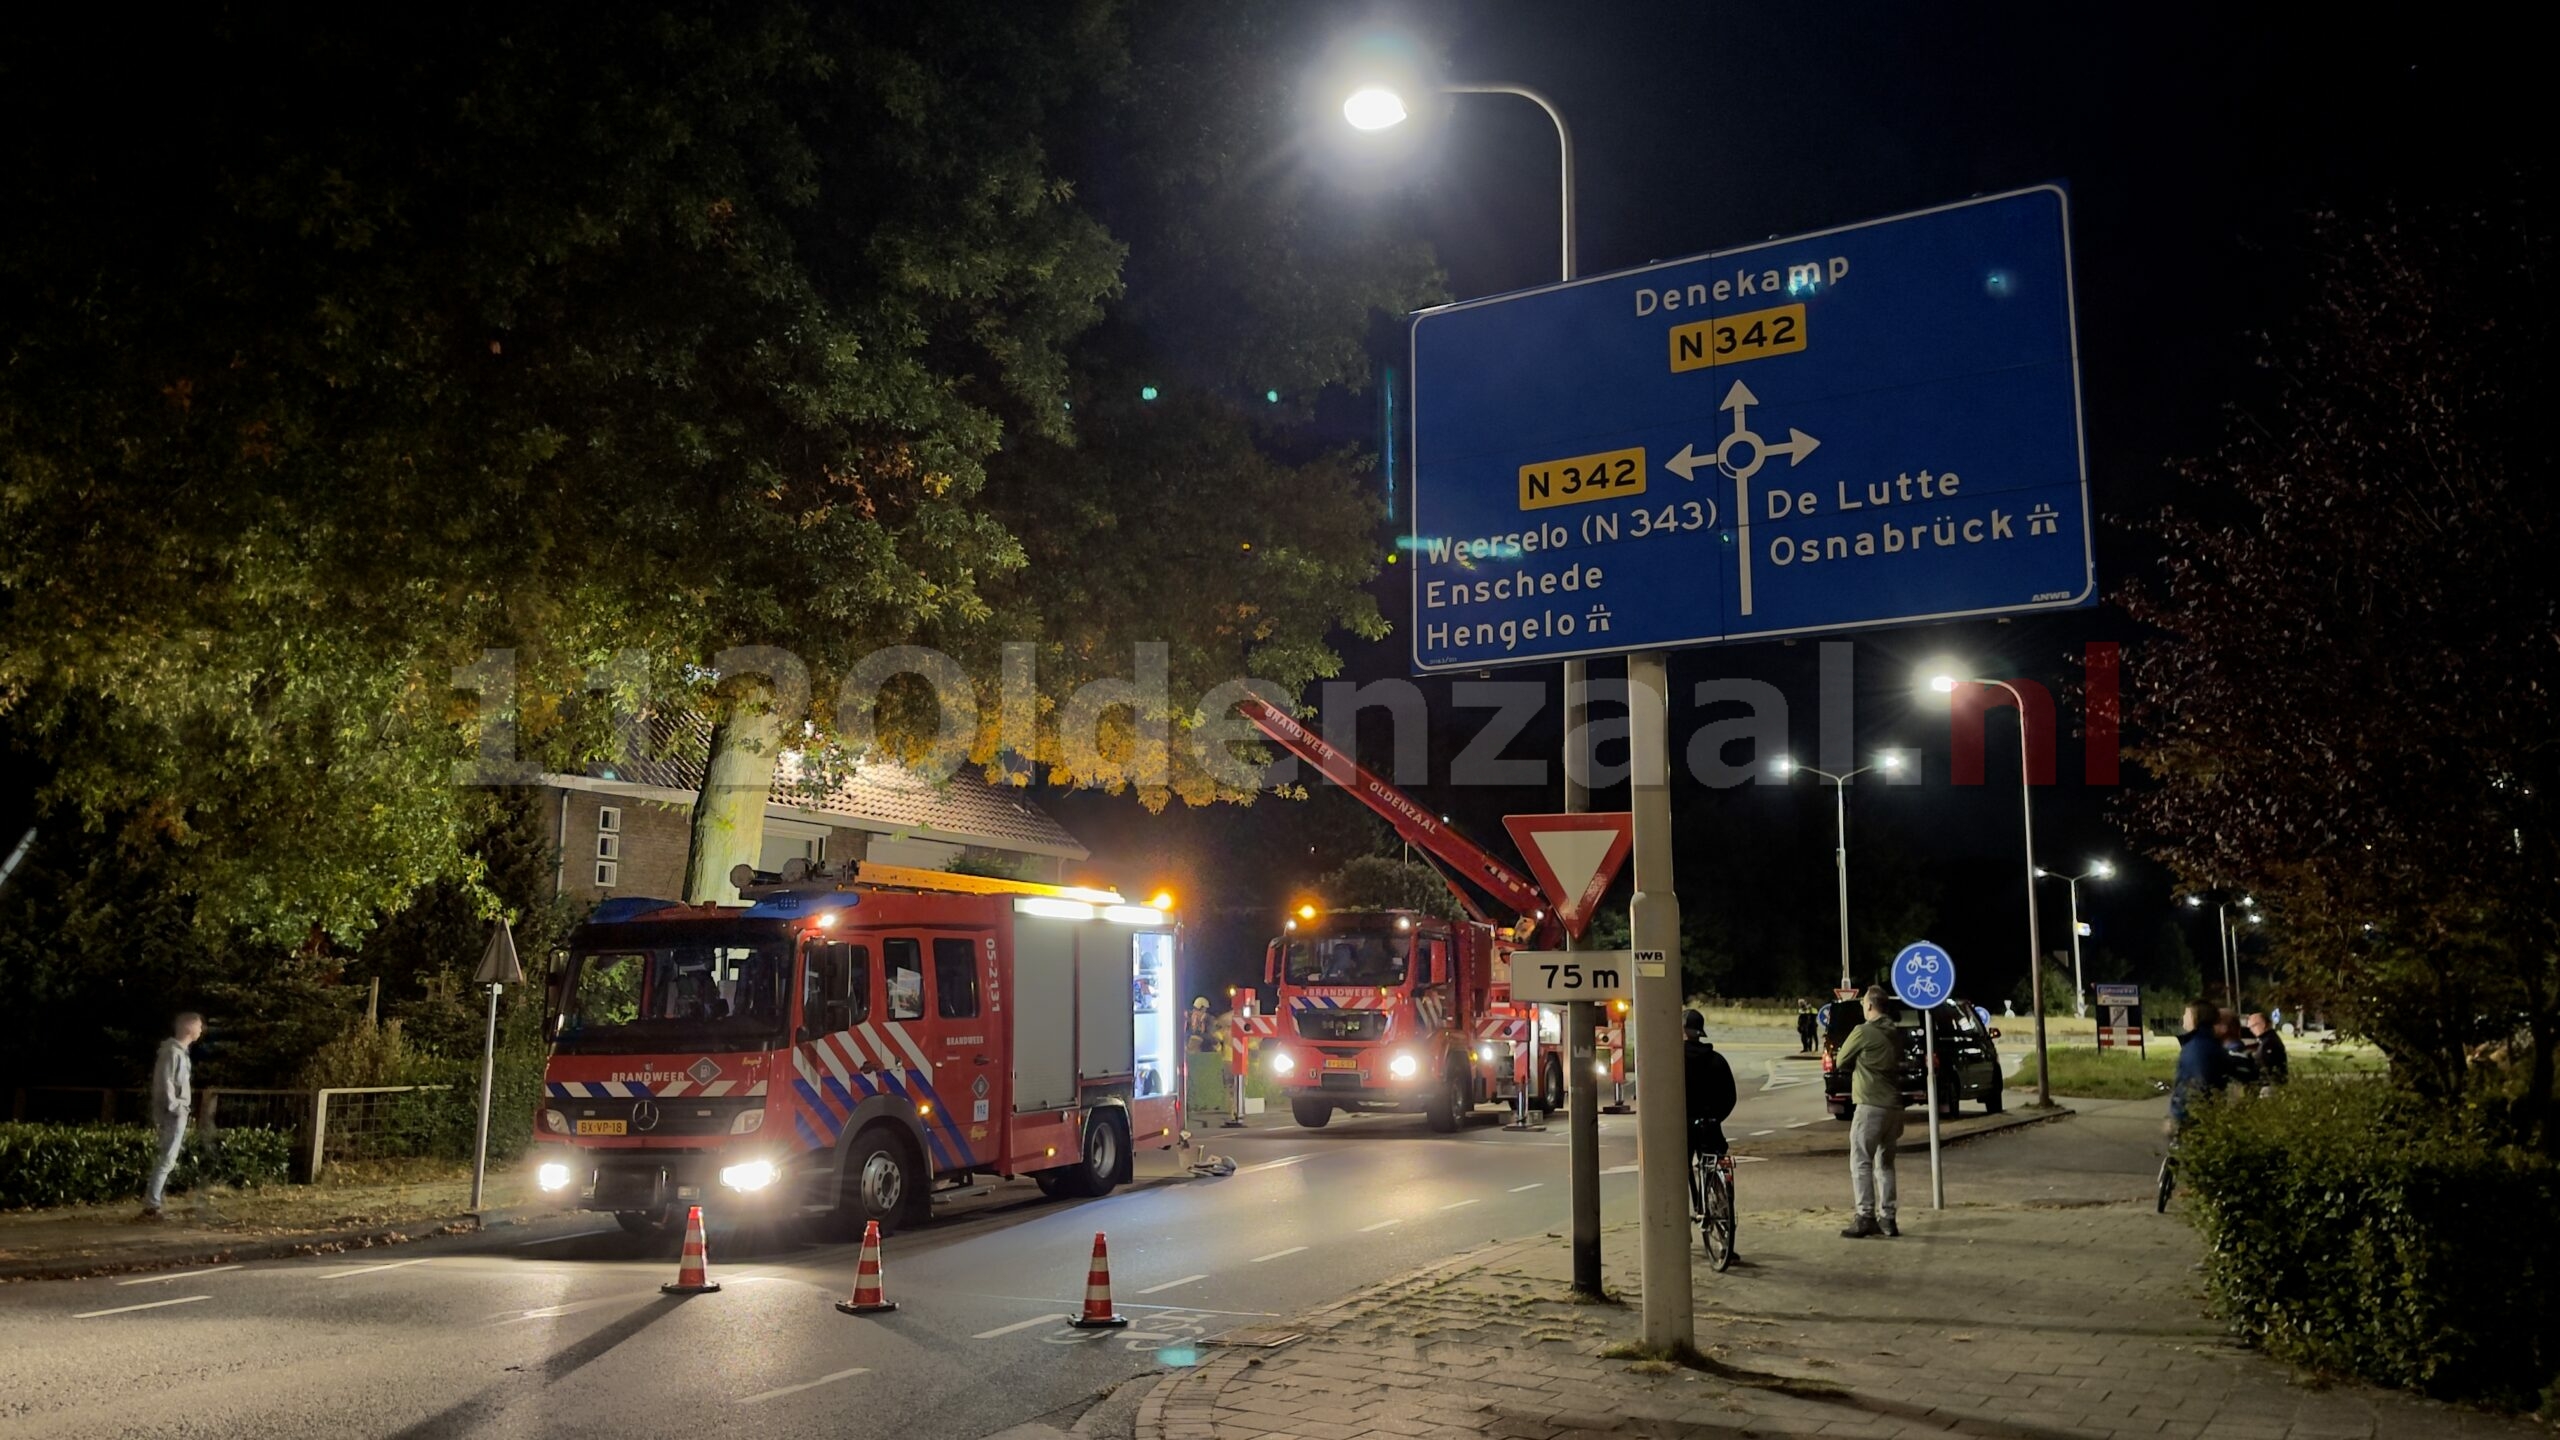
(1150, 1423)
(2008, 1120)
(276, 1248)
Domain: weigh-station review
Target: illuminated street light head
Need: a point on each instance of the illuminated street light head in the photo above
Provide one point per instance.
(1891, 762)
(1783, 765)
(2042, 872)
(1374, 107)
(1943, 684)
(2102, 869)
(2195, 902)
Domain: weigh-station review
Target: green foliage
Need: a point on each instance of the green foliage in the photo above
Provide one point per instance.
(2377, 521)
(2356, 1227)
(43, 1165)
(1386, 882)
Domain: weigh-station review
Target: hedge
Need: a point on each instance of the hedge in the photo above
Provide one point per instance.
(44, 1165)
(2355, 1228)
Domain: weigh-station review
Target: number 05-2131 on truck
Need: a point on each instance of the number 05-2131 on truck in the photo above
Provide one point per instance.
(842, 1044)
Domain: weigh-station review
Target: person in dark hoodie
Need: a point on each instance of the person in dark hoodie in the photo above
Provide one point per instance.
(2204, 1066)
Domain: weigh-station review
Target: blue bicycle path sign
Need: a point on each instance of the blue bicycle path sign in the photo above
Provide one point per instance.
(1924, 976)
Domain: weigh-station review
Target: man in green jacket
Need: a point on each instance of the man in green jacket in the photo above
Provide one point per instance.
(1873, 1057)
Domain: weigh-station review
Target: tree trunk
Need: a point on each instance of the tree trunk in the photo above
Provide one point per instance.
(728, 812)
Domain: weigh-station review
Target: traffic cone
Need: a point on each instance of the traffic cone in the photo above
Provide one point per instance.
(1098, 1314)
(866, 1277)
(692, 1278)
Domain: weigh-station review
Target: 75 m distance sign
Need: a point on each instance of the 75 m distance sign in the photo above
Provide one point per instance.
(1557, 977)
(1861, 427)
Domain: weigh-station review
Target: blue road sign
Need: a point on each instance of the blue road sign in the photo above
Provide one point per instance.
(1860, 427)
(1924, 976)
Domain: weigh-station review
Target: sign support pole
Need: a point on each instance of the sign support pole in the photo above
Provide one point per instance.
(1929, 1047)
(488, 1077)
(499, 968)
(1662, 1142)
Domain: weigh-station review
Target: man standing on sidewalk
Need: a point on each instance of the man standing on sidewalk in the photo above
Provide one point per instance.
(172, 1093)
(1873, 1057)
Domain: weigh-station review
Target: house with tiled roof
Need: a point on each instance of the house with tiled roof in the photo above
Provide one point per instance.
(624, 827)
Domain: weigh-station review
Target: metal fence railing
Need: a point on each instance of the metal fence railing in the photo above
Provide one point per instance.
(331, 1126)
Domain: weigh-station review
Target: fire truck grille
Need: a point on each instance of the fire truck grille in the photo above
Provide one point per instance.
(1343, 1024)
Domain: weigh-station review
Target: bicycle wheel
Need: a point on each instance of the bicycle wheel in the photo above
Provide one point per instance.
(1697, 1189)
(1715, 1231)
(2168, 1180)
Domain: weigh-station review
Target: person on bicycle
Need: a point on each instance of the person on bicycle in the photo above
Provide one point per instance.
(2204, 1066)
(1710, 1086)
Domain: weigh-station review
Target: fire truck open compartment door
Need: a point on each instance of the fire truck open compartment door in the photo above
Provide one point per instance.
(1044, 993)
(1157, 1041)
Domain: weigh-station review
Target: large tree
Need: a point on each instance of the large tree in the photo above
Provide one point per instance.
(335, 354)
(2349, 708)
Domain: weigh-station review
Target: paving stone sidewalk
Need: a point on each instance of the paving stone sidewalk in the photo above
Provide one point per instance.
(2015, 1322)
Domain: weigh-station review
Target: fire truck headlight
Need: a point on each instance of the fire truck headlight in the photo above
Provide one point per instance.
(1404, 1067)
(552, 1176)
(1600, 1069)
(1281, 1064)
(554, 1121)
(1485, 1053)
(748, 1122)
(754, 1175)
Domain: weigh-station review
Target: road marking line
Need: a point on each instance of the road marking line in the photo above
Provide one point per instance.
(1381, 1225)
(1276, 1254)
(370, 1269)
(149, 1305)
(181, 1275)
(1798, 1124)
(1619, 1170)
(1017, 1325)
(1170, 1284)
(1756, 1134)
(1272, 1164)
(556, 1239)
(1461, 1205)
(807, 1385)
(1532, 1185)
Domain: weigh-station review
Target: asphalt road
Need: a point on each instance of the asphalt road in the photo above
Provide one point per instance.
(560, 1329)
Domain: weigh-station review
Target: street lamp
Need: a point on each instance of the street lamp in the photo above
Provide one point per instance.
(1944, 682)
(1374, 107)
(2230, 943)
(2098, 870)
(1889, 763)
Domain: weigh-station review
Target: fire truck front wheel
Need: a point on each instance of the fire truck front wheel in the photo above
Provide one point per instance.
(882, 1181)
(1447, 1111)
(1311, 1114)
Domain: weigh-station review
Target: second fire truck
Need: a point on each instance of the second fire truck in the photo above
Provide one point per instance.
(1396, 1009)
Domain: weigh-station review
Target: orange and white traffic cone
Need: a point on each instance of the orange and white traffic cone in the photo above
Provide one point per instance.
(1098, 1314)
(866, 1277)
(692, 1273)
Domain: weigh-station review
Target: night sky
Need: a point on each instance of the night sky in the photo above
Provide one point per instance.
(2197, 141)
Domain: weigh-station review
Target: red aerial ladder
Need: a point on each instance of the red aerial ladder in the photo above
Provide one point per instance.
(1394, 1009)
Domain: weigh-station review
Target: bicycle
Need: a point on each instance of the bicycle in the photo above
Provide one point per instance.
(1711, 1206)
(2169, 1160)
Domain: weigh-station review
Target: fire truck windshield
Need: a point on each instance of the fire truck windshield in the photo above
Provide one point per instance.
(706, 991)
(1349, 959)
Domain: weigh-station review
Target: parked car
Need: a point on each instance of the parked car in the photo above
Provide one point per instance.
(1968, 1058)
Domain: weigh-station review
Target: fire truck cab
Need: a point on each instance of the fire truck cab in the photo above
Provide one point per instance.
(1389, 1010)
(841, 1045)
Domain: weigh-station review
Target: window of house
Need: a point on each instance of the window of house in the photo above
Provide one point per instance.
(955, 978)
(608, 874)
(903, 960)
(609, 818)
(608, 846)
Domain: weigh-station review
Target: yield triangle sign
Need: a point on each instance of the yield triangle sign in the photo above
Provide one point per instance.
(1574, 857)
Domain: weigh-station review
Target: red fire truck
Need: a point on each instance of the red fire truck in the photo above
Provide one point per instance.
(1397, 1010)
(841, 1045)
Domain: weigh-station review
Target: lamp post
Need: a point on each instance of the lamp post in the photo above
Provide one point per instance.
(2230, 942)
(1889, 763)
(1378, 107)
(1945, 682)
(2098, 870)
